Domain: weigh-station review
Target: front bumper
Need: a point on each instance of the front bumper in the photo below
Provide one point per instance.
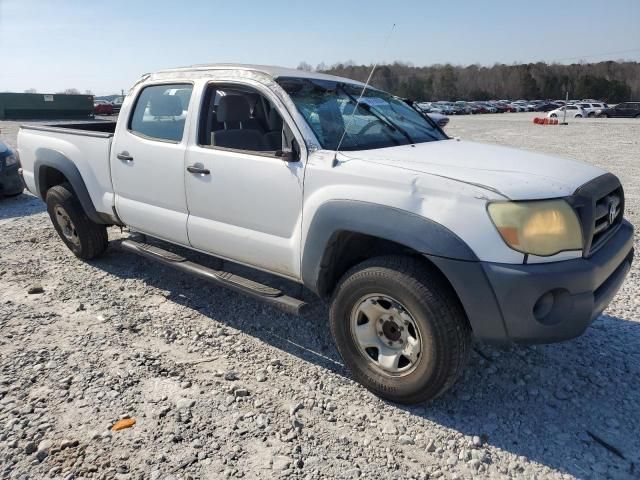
(540, 303)
(10, 181)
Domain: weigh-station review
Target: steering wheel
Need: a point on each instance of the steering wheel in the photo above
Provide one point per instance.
(366, 128)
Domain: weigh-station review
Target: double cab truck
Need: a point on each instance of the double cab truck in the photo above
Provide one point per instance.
(420, 242)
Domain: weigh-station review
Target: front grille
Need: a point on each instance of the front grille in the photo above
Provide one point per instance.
(608, 215)
(600, 206)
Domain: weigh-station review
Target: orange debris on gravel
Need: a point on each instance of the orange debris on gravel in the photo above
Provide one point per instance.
(124, 423)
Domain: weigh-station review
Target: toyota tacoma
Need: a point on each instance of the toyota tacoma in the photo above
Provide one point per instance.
(420, 242)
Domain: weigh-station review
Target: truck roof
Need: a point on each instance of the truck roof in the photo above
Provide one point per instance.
(271, 71)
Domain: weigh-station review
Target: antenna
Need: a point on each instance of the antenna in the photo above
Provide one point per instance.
(353, 112)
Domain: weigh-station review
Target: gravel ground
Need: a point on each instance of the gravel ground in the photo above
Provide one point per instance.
(221, 386)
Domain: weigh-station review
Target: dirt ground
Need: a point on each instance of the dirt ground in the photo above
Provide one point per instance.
(223, 387)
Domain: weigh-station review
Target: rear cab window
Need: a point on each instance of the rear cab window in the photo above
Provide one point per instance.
(160, 112)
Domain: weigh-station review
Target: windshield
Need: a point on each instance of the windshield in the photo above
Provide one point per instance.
(380, 119)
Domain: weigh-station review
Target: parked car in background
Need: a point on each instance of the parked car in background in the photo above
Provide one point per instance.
(500, 108)
(443, 108)
(10, 181)
(490, 108)
(624, 110)
(102, 107)
(573, 111)
(441, 120)
(546, 107)
(592, 109)
(425, 109)
(524, 105)
(479, 107)
(117, 104)
(463, 107)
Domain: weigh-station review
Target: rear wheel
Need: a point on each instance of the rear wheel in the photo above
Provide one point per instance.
(553, 115)
(591, 115)
(400, 329)
(603, 115)
(84, 238)
(578, 116)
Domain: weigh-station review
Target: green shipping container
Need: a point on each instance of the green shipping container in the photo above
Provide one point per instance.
(31, 106)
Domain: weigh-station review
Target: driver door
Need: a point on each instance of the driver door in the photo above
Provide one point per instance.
(244, 201)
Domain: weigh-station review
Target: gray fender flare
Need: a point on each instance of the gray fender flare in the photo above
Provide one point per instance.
(52, 158)
(418, 233)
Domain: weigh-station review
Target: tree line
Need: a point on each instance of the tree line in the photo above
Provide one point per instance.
(607, 81)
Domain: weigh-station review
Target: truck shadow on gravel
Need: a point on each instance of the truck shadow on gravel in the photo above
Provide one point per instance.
(21, 205)
(574, 407)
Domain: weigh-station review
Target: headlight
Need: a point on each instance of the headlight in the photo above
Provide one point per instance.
(10, 160)
(539, 228)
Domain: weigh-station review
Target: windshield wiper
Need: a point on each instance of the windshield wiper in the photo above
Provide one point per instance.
(380, 116)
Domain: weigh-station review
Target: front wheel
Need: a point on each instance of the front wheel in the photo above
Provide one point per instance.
(553, 115)
(578, 116)
(400, 328)
(84, 238)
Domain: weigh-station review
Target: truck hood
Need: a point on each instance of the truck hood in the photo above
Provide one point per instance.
(514, 174)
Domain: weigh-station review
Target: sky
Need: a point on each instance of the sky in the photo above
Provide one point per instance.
(104, 46)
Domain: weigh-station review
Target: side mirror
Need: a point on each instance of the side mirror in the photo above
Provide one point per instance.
(286, 155)
(292, 155)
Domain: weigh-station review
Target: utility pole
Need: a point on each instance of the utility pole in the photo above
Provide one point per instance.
(564, 117)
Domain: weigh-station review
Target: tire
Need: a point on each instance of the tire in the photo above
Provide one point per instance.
(430, 312)
(553, 115)
(591, 115)
(603, 115)
(84, 238)
(578, 116)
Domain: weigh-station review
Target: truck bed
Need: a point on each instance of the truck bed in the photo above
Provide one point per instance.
(84, 146)
(101, 129)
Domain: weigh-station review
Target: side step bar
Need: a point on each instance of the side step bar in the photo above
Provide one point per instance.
(228, 280)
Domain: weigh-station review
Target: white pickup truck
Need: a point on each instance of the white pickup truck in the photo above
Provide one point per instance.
(419, 241)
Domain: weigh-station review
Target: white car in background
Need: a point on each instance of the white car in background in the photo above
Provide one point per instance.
(592, 109)
(573, 111)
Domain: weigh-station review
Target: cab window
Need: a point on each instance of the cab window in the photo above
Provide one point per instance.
(240, 118)
(160, 112)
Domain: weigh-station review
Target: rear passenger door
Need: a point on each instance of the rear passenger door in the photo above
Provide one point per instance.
(147, 162)
(244, 197)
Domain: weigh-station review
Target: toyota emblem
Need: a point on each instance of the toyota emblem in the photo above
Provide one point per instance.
(612, 213)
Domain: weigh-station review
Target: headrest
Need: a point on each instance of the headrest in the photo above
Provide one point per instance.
(166, 106)
(233, 108)
(274, 120)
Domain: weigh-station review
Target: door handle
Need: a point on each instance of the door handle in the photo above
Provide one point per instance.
(198, 170)
(125, 157)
